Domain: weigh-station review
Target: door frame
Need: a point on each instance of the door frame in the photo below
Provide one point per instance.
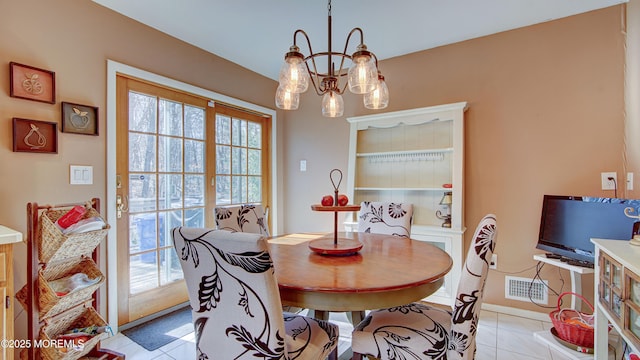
(114, 68)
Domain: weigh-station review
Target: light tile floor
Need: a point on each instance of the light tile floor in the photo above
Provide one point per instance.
(500, 337)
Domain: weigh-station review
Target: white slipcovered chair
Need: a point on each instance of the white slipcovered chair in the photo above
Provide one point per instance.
(385, 218)
(249, 218)
(235, 301)
(419, 331)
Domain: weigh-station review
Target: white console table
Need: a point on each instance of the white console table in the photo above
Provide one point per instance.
(576, 276)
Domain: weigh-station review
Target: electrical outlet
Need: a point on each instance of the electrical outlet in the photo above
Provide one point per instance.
(609, 184)
(494, 261)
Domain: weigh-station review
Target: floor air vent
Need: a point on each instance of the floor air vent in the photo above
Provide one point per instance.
(524, 289)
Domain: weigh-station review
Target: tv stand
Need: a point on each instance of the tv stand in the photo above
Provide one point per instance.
(576, 272)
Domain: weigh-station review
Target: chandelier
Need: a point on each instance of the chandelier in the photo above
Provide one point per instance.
(362, 76)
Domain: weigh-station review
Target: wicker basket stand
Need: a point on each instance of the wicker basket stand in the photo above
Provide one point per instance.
(52, 256)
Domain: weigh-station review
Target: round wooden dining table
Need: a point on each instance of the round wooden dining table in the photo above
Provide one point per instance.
(388, 271)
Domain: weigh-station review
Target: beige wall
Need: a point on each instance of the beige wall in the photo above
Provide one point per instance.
(545, 117)
(74, 39)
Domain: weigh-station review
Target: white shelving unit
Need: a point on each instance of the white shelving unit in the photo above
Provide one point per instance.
(617, 284)
(409, 156)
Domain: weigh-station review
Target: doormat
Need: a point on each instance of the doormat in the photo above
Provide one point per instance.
(158, 332)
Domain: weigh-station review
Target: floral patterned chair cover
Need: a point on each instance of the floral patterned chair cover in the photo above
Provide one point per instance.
(385, 218)
(243, 218)
(419, 331)
(235, 301)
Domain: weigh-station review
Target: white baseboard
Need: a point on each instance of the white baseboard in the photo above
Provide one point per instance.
(534, 315)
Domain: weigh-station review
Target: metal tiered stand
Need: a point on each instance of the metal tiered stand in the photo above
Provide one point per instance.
(335, 245)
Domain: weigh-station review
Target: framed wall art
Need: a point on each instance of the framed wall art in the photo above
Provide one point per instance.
(79, 119)
(28, 82)
(35, 136)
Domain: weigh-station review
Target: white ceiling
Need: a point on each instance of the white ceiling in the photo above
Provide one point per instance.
(256, 33)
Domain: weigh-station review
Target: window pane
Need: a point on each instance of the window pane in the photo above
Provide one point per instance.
(239, 132)
(223, 190)
(255, 135)
(239, 161)
(223, 159)
(142, 192)
(193, 190)
(169, 154)
(194, 122)
(169, 191)
(239, 189)
(168, 221)
(170, 118)
(194, 156)
(142, 112)
(255, 189)
(170, 269)
(194, 217)
(142, 152)
(143, 272)
(144, 234)
(255, 162)
(223, 129)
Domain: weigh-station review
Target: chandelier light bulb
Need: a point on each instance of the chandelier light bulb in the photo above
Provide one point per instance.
(332, 105)
(287, 100)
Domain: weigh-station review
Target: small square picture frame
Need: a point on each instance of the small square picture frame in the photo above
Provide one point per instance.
(31, 83)
(35, 136)
(79, 119)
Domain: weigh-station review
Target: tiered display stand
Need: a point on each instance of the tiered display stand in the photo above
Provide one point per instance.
(52, 255)
(335, 245)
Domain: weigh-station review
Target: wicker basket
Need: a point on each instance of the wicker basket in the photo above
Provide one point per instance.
(565, 321)
(78, 317)
(49, 303)
(54, 246)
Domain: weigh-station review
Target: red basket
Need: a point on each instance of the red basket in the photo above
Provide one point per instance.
(573, 326)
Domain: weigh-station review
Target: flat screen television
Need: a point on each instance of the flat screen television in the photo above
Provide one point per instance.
(569, 222)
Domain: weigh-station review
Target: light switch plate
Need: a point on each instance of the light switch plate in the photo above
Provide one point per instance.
(80, 175)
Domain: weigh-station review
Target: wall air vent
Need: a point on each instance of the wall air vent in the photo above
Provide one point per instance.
(524, 289)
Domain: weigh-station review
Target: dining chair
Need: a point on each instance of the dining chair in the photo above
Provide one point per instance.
(249, 218)
(421, 331)
(235, 301)
(385, 218)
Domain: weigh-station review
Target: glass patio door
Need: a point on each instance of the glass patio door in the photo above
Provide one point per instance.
(162, 176)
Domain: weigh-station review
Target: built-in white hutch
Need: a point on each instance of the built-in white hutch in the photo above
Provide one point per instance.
(414, 156)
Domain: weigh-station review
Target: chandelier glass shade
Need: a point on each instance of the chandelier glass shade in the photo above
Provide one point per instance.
(358, 71)
(287, 99)
(332, 104)
(379, 97)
